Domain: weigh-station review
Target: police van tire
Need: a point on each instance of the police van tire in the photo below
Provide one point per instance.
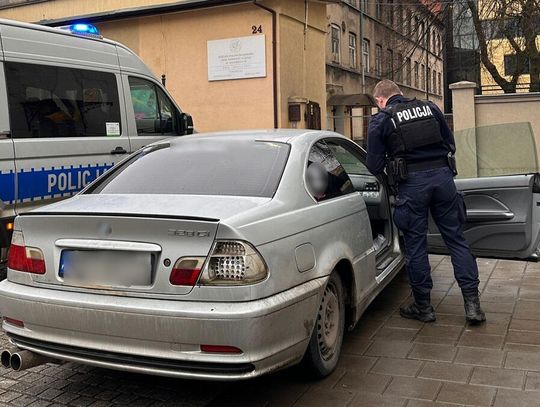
(322, 354)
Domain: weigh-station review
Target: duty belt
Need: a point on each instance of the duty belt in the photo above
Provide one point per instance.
(427, 165)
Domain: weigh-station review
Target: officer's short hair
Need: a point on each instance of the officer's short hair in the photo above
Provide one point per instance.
(386, 88)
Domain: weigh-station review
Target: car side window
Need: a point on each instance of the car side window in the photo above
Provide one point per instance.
(325, 176)
(53, 101)
(154, 111)
(350, 162)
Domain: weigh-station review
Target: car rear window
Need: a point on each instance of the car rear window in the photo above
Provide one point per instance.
(200, 167)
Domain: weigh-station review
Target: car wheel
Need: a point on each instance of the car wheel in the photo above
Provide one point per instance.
(324, 348)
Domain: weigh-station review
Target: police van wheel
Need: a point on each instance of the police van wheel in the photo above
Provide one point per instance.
(324, 347)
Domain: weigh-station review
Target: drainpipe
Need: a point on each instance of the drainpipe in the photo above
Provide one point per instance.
(274, 59)
(362, 48)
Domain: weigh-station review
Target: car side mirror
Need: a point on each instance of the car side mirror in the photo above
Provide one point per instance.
(185, 124)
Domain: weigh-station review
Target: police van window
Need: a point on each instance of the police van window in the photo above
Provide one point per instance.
(51, 101)
(154, 111)
(348, 160)
(325, 176)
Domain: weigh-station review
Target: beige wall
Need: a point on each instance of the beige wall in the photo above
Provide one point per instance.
(174, 44)
(495, 134)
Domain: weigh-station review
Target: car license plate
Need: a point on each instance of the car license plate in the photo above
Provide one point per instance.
(106, 268)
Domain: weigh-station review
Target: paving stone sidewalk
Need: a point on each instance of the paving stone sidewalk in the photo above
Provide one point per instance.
(386, 360)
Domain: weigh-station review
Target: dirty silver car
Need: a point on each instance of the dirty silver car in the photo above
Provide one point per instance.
(216, 256)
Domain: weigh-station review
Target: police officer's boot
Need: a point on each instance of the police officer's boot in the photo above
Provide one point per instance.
(420, 309)
(473, 313)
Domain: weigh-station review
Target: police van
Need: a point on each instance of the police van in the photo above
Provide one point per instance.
(72, 104)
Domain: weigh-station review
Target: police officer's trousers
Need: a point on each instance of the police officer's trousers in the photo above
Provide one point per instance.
(433, 190)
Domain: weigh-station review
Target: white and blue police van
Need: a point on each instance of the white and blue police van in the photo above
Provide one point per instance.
(72, 104)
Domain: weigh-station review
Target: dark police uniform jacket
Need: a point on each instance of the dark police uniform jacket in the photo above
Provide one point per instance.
(381, 127)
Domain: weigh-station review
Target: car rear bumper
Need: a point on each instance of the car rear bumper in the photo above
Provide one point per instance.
(163, 337)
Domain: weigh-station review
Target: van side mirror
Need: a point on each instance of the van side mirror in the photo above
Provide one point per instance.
(185, 124)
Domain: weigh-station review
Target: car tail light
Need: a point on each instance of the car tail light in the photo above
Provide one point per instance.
(220, 349)
(234, 262)
(186, 271)
(13, 321)
(25, 259)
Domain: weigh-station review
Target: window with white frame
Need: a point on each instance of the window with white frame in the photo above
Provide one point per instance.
(336, 43)
(352, 51)
(365, 55)
(378, 9)
(365, 6)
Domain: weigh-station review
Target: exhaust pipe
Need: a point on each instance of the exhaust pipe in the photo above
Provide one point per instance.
(24, 359)
(5, 357)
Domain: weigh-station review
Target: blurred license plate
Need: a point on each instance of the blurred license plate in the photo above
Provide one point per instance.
(106, 267)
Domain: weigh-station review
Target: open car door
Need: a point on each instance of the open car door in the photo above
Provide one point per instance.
(501, 188)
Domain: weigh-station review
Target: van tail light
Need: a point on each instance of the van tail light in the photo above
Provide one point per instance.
(25, 259)
(186, 271)
(233, 262)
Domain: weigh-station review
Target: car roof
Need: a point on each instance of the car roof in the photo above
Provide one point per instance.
(276, 135)
(55, 30)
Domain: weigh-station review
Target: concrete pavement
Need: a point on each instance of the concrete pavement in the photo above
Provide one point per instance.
(386, 360)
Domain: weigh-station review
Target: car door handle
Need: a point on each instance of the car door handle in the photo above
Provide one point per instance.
(476, 215)
(118, 151)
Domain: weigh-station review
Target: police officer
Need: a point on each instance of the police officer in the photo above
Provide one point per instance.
(412, 140)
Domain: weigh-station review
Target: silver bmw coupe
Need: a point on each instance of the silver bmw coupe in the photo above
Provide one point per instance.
(218, 256)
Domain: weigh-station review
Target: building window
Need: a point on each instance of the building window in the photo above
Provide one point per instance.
(409, 22)
(422, 32)
(422, 76)
(390, 64)
(513, 63)
(428, 80)
(399, 14)
(408, 73)
(365, 55)
(399, 68)
(336, 43)
(352, 2)
(439, 84)
(378, 9)
(378, 60)
(416, 75)
(390, 12)
(365, 6)
(435, 90)
(352, 50)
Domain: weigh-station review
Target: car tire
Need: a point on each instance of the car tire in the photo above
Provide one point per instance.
(324, 347)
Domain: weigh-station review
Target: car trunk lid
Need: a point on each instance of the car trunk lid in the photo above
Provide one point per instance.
(116, 254)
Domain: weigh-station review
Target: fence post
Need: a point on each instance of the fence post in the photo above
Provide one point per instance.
(464, 116)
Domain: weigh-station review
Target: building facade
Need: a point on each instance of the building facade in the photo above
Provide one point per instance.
(179, 40)
(369, 40)
(462, 54)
